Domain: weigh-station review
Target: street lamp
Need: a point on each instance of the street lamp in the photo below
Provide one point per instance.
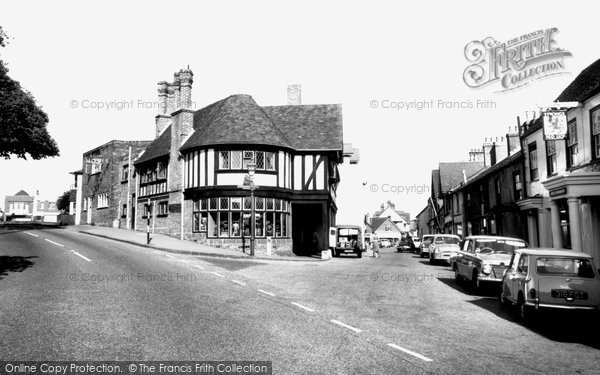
(249, 185)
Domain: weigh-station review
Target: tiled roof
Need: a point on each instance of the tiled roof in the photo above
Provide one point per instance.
(310, 127)
(377, 222)
(22, 192)
(451, 173)
(161, 146)
(235, 120)
(584, 86)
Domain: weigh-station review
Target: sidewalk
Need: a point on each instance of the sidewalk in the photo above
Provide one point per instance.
(174, 245)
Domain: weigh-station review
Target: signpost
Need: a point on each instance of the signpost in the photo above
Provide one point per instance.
(148, 214)
(249, 185)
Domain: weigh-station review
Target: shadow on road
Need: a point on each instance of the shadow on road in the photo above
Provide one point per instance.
(464, 287)
(232, 265)
(14, 264)
(562, 326)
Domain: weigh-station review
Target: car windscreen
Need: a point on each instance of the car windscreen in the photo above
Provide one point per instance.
(501, 246)
(446, 240)
(565, 266)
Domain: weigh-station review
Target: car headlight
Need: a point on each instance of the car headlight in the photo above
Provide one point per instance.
(487, 269)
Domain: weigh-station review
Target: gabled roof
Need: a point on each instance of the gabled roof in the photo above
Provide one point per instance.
(377, 222)
(22, 192)
(310, 127)
(161, 146)
(235, 120)
(586, 85)
(451, 173)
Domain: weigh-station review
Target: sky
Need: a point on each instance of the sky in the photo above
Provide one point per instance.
(77, 56)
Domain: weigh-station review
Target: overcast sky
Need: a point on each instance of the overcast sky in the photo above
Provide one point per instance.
(116, 51)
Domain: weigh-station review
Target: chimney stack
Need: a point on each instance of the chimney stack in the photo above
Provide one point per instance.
(186, 78)
(176, 91)
(162, 118)
(294, 93)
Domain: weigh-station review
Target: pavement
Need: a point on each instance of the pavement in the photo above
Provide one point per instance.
(174, 245)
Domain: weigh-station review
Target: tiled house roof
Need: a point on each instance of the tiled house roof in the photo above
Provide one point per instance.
(586, 85)
(451, 173)
(310, 127)
(377, 222)
(22, 192)
(235, 120)
(159, 147)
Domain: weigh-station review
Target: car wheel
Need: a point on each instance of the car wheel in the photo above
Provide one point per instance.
(421, 255)
(359, 253)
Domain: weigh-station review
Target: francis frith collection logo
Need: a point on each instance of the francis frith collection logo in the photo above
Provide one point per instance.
(515, 63)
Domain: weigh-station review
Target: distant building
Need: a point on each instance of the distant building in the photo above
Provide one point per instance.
(18, 206)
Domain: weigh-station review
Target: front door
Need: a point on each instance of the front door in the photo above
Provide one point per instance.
(309, 234)
(89, 210)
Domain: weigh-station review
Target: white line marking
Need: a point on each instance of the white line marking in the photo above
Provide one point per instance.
(170, 256)
(81, 256)
(31, 234)
(410, 352)
(218, 274)
(238, 282)
(267, 293)
(346, 326)
(303, 307)
(55, 243)
(197, 266)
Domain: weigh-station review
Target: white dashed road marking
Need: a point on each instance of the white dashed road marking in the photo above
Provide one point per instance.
(267, 293)
(302, 307)
(346, 326)
(31, 234)
(410, 352)
(218, 274)
(238, 282)
(54, 243)
(81, 256)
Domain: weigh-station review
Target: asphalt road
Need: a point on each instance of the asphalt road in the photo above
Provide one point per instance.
(97, 299)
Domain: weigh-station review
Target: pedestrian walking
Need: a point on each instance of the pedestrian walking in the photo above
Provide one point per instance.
(376, 247)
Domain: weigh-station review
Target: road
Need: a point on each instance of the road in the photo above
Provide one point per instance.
(69, 296)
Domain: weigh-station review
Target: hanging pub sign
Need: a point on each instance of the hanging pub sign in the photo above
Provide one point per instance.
(555, 125)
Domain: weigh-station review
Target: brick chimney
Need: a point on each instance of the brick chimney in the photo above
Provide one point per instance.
(186, 78)
(498, 151)
(476, 155)
(162, 118)
(487, 148)
(512, 140)
(294, 93)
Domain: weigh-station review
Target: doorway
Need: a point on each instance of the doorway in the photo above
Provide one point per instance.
(309, 234)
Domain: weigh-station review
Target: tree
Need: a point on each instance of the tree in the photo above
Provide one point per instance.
(63, 202)
(22, 123)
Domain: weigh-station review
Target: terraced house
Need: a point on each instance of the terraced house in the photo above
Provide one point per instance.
(190, 179)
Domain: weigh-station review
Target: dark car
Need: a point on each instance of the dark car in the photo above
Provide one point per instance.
(406, 243)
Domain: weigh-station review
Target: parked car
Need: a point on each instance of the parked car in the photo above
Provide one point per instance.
(483, 259)
(425, 243)
(550, 279)
(385, 243)
(417, 243)
(405, 243)
(345, 239)
(443, 247)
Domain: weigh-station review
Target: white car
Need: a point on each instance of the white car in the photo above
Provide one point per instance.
(385, 243)
(443, 248)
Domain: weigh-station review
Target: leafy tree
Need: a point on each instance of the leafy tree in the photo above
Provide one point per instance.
(22, 123)
(62, 203)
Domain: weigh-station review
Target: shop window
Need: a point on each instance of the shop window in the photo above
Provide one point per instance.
(259, 224)
(236, 218)
(278, 217)
(269, 224)
(246, 224)
(213, 218)
(224, 224)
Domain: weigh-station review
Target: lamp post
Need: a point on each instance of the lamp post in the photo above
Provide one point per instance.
(249, 185)
(251, 169)
(149, 212)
